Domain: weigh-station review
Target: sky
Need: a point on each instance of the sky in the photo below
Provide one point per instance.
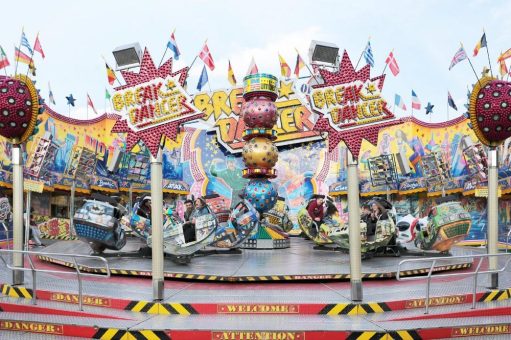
(424, 36)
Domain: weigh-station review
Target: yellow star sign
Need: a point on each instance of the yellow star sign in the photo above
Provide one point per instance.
(371, 88)
(286, 89)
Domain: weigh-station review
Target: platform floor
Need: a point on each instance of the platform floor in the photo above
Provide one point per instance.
(300, 262)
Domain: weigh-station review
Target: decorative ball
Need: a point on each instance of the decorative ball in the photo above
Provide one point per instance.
(490, 110)
(19, 107)
(261, 194)
(260, 152)
(260, 84)
(259, 112)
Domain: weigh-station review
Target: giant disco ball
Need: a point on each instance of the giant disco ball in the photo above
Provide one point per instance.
(260, 152)
(19, 107)
(261, 194)
(259, 112)
(490, 110)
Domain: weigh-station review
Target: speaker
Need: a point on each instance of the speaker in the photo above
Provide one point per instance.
(403, 164)
(113, 164)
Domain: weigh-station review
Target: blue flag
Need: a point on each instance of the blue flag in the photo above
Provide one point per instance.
(172, 45)
(450, 101)
(203, 79)
(24, 42)
(368, 54)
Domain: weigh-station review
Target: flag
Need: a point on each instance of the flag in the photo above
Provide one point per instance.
(206, 57)
(252, 69)
(89, 103)
(203, 78)
(399, 102)
(480, 43)
(230, 75)
(299, 64)
(38, 47)
(285, 70)
(24, 42)
(107, 95)
(416, 104)
(368, 55)
(110, 74)
(22, 57)
(503, 68)
(4, 62)
(392, 63)
(450, 101)
(459, 56)
(505, 55)
(50, 95)
(172, 45)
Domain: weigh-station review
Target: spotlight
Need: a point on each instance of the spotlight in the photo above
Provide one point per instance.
(127, 56)
(323, 54)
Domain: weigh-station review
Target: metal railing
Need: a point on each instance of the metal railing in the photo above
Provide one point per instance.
(434, 260)
(104, 271)
(507, 240)
(5, 231)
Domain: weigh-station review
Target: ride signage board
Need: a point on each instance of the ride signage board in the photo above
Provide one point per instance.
(152, 103)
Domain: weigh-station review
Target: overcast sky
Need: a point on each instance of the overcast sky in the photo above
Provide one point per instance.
(424, 35)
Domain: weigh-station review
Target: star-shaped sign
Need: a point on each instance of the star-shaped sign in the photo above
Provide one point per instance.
(70, 100)
(152, 135)
(286, 89)
(429, 108)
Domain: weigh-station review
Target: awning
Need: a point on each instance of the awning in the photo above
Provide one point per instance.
(104, 184)
(175, 187)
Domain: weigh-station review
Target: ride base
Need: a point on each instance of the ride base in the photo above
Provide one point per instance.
(300, 262)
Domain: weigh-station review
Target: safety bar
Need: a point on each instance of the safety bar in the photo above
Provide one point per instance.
(103, 273)
(434, 260)
(6, 233)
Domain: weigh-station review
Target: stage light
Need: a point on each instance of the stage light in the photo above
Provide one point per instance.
(323, 54)
(127, 56)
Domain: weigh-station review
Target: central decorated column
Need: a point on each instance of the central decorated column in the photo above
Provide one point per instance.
(259, 153)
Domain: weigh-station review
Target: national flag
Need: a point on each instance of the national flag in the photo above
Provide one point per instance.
(107, 95)
(399, 102)
(505, 55)
(252, 69)
(459, 56)
(24, 42)
(299, 64)
(89, 103)
(50, 95)
(203, 78)
(285, 70)
(22, 57)
(230, 75)
(368, 55)
(38, 47)
(110, 74)
(172, 45)
(480, 43)
(416, 104)
(392, 63)
(4, 62)
(450, 101)
(503, 68)
(206, 57)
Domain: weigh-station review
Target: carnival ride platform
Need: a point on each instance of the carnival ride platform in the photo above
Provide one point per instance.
(300, 262)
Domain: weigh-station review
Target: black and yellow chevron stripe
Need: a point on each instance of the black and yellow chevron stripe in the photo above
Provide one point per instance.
(66, 237)
(373, 307)
(161, 308)
(403, 335)
(143, 307)
(426, 270)
(339, 309)
(495, 295)
(120, 334)
(367, 335)
(17, 292)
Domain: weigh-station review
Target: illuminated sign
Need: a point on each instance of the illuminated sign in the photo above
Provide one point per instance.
(257, 335)
(152, 103)
(86, 300)
(257, 309)
(222, 108)
(481, 330)
(35, 327)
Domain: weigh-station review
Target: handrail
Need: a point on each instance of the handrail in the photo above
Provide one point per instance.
(432, 267)
(106, 274)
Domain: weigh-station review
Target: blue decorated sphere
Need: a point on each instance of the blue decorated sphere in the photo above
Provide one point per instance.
(261, 193)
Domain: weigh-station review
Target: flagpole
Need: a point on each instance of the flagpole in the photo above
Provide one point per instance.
(472, 66)
(19, 48)
(361, 54)
(112, 70)
(488, 52)
(386, 63)
(87, 100)
(308, 68)
(193, 62)
(31, 58)
(164, 53)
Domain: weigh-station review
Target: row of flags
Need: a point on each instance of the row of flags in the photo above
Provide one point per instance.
(20, 56)
(390, 62)
(416, 103)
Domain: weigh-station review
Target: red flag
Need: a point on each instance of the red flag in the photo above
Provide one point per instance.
(206, 57)
(299, 64)
(38, 47)
(89, 103)
(392, 63)
(252, 69)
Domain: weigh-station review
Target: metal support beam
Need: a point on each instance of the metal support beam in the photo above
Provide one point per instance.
(157, 225)
(493, 215)
(17, 212)
(354, 229)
